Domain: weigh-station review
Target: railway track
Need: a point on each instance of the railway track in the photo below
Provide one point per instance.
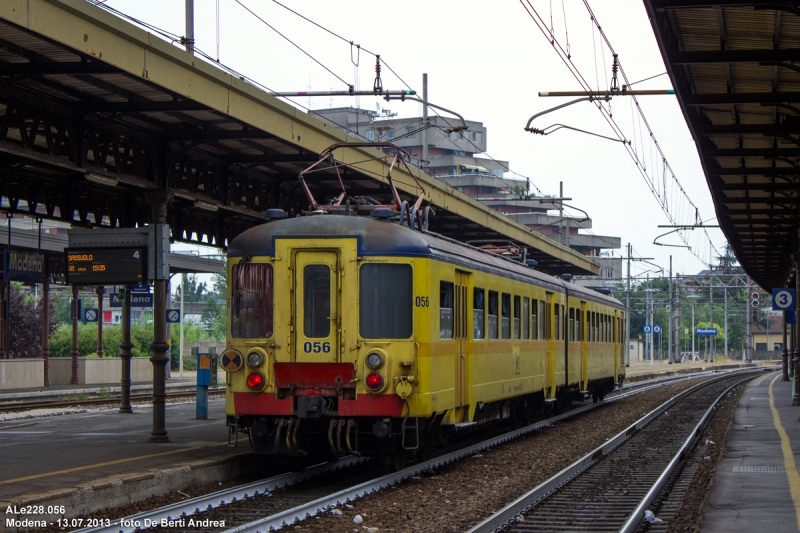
(273, 503)
(26, 406)
(612, 488)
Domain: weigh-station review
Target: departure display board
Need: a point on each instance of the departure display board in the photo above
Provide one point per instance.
(106, 266)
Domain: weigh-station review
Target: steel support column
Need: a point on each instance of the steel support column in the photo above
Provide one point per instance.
(99, 291)
(785, 352)
(125, 354)
(3, 354)
(46, 324)
(74, 377)
(159, 346)
(796, 348)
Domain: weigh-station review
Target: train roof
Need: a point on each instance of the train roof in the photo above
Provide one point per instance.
(378, 237)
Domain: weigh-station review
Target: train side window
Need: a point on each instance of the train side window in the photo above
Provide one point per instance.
(526, 318)
(251, 300)
(445, 310)
(571, 324)
(557, 321)
(478, 313)
(544, 320)
(379, 284)
(534, 319)
(607, 327)
(517, 305)
(579, 325)
(492, 322)
(590, 324)
(505, 320)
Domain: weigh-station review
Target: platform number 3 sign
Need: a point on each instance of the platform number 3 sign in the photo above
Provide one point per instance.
(783, 299)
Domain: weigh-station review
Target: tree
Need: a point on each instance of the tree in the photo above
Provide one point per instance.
(215, 314)
(192, 288)
(25, 323)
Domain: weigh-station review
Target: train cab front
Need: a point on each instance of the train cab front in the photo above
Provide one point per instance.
(305, 382)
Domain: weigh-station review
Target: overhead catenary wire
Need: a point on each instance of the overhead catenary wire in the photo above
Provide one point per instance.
(606, 113)
(270, 26)
(390, 69)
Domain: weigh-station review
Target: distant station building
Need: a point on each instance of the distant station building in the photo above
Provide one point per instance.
(454, 157)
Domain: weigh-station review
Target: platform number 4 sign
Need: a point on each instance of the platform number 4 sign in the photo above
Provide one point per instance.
(783, 299)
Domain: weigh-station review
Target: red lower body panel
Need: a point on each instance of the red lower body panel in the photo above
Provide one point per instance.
(372, 405)
(247, 403)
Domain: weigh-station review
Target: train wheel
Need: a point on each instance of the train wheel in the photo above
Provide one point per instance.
(595, 397)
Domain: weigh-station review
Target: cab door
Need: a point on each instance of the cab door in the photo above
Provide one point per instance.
(316, 306)
(460, 327)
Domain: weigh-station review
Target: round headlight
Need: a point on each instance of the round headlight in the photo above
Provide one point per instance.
(374, 360)
(256, 380)
(255, 359)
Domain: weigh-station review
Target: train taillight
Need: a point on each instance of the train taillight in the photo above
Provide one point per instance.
(374, 381)
(256, 380)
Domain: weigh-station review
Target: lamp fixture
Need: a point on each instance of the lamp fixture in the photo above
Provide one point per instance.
(102, 180)
(205, 205)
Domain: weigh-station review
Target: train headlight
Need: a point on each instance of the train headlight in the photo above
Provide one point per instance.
(374, 382)
(256, 380)
(255, 359)
(374, 360)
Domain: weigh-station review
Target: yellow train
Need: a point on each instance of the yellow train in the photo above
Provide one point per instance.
(353, 334)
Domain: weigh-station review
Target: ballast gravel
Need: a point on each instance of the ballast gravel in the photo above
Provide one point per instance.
(458, 496)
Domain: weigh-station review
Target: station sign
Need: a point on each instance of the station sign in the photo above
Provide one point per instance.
(138, 299)
(90, 314)
(140, 287)
(27, 267)
(706, 332)
(106, 266)
(783, 299)
(173, 316)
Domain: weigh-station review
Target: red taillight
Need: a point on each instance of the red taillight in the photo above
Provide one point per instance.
(374, 381)
(255, 380)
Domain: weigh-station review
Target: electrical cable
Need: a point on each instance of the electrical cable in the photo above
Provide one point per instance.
(294, 44)
(388, 67)
(539, 22)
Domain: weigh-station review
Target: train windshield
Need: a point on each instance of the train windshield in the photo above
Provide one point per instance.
(386, 301)
(251, 300)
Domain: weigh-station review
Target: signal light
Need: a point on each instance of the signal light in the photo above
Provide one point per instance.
(374, 381)
(256, 380)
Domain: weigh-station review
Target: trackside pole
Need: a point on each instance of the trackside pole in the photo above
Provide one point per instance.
(203, 381)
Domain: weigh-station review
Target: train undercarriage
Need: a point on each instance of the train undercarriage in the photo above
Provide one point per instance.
(318, 432)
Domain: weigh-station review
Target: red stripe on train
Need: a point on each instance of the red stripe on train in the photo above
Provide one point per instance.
(246, 403)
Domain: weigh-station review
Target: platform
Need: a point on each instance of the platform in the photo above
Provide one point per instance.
(757, 484)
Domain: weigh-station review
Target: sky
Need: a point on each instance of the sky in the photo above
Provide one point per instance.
(488, 61)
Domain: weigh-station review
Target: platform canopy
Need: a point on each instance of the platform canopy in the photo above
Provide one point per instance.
(735, 67)
(97, 115)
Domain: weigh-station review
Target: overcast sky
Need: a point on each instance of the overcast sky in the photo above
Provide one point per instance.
(487, 61)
